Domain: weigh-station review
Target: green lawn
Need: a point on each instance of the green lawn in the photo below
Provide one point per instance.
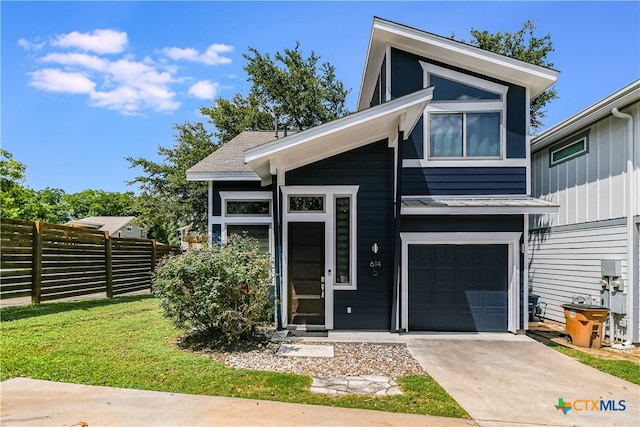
(127, 342)
(624, 369)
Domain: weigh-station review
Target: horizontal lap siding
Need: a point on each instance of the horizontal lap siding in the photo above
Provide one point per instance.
(564, 264)
(371, 168)
(463, 181)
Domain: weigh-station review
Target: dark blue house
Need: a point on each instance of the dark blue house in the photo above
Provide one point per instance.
(409, 214)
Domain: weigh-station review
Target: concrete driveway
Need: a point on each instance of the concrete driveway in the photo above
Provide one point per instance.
(510, 380)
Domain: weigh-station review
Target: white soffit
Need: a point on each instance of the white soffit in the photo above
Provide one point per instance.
(341, 135)
(386, 33)
(497, 205)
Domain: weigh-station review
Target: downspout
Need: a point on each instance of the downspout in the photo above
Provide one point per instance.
(277, 256)
(396, 309)
(632, 267)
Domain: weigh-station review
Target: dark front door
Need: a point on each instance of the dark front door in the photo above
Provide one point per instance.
(306, 273)
(458, 288)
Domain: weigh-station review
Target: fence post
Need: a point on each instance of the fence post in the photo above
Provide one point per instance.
(154, 255)
(108, 261)
(36, 267)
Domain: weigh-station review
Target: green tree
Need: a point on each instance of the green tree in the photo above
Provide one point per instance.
(44, 205)
(12, 192)
(525, 46)
(97, 203)
(300, 91)
(166, 197)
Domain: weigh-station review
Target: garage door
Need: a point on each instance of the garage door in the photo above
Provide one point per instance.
(461, 288)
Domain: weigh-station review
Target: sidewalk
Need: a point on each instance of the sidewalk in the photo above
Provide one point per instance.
(27, 402)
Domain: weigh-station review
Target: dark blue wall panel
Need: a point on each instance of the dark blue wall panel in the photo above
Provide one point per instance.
(462, 223)
(463, 181)
(370, 167)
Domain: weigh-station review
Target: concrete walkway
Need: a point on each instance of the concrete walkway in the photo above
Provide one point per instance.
(33, 403)
(511, 380)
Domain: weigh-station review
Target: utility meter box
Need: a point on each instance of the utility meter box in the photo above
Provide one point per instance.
(618, 303)
(611, 267)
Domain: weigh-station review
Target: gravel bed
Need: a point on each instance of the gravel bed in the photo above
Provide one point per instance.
(349, 359)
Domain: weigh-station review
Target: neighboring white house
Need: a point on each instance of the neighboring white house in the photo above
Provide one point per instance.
(589, 165)
(117, 226)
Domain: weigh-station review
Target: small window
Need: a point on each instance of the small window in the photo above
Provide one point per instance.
(569, 151)
(247, 207)
(343, 239)
(306, 203)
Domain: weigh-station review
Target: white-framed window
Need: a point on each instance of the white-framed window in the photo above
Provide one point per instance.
(245, 212)
(570, 150)
(466, 119)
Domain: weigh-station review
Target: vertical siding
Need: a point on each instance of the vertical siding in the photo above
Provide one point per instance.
(564, 263)
(591, 187)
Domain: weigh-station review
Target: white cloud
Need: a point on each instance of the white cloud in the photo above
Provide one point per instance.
(204, 89)
(27, 45)
(121, 83)
(54, 80)
(98, 41)
(212, 56)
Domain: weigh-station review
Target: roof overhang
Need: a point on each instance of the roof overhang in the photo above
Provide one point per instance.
(386, 33)
(601, 109)
(222, 176)
(383, 121)
(493, 205)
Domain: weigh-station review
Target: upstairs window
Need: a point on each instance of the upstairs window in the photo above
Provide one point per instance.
(466, 118)
(569, 149)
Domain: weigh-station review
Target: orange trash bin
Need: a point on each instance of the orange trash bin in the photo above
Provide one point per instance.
(584, 324)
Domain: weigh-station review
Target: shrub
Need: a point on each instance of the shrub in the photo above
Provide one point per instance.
(224, 288)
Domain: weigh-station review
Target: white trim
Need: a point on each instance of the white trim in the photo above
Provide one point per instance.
(388, 73)
(527, 138)
(222, 176)
(464, 79)
(328, 218)
(512, 239)
(459, 162)
(525, 275)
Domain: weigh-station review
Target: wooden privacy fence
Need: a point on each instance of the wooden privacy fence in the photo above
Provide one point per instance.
(49, 261)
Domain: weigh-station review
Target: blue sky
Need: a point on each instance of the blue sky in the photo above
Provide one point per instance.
(86, 84)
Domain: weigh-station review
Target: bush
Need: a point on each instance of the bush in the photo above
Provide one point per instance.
(225, 288)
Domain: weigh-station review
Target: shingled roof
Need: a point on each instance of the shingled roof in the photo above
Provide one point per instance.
(228, 160)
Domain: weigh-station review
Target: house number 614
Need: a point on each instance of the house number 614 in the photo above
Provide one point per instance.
(374, 264)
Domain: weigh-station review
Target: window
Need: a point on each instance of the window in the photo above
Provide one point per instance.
(306, 203)
(259, 232)
(343, 239)
(465, 119)
(244, 213)
(247, 207)
(464, 134)
(568, 152)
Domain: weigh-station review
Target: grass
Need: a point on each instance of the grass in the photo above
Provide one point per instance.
(127, 343)
(624, 369)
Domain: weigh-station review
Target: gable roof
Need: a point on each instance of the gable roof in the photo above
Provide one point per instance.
(103, 223)
(601, 109)
(340, 135)
(387, 33)
(227, 162)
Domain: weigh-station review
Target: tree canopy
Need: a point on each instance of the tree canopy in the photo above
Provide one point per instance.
(525, 46)
(302, 93)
